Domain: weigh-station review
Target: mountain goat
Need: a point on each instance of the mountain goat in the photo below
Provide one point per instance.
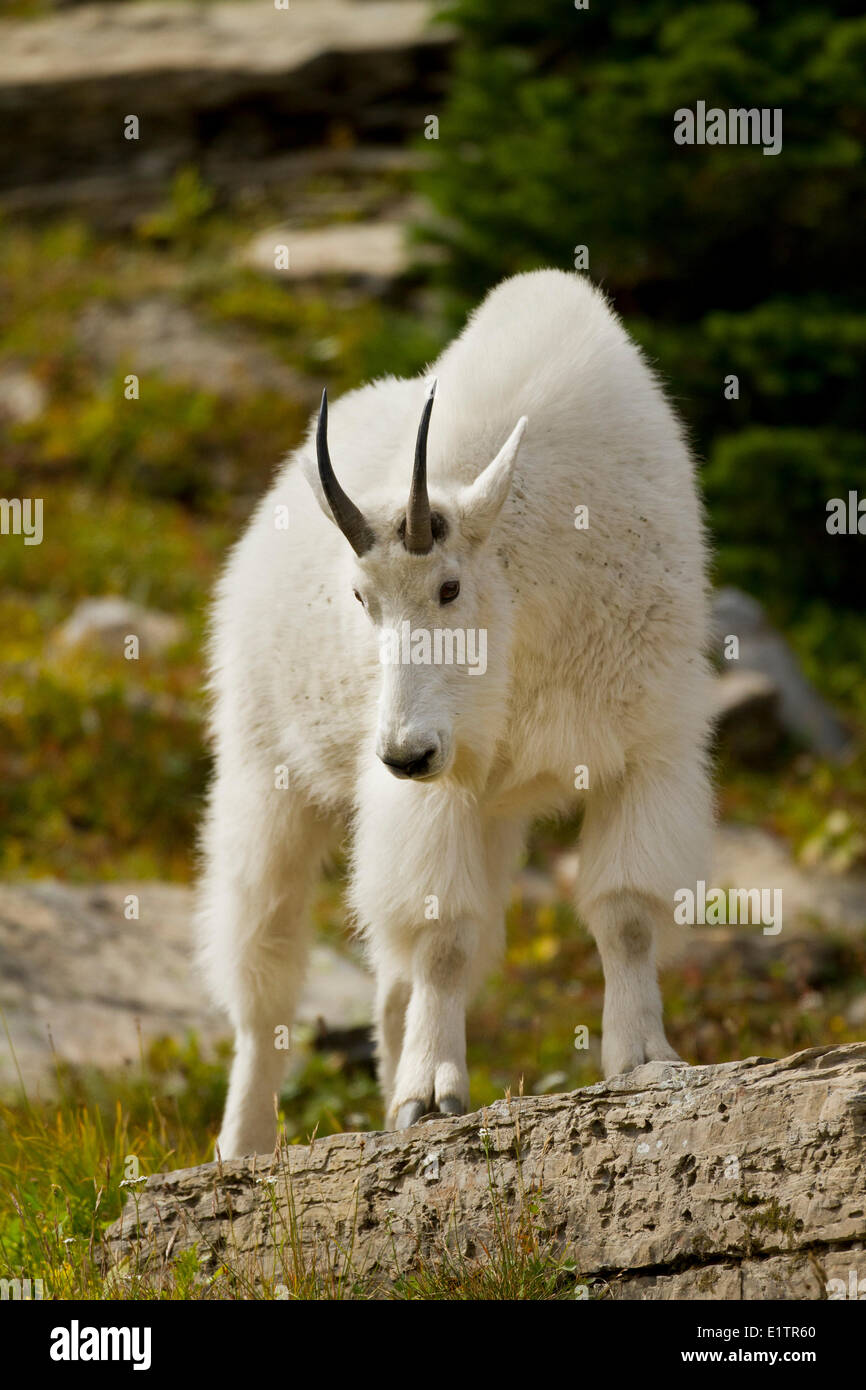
(552, 526)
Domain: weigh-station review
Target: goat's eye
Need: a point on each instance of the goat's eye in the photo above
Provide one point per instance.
(357, 595)
(449, 591)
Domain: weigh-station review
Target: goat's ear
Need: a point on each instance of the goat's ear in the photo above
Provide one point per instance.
(480, 503)
(311, 473)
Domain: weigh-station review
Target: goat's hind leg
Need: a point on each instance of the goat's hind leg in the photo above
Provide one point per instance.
(641, 841)
(262, 851)
(625, 926)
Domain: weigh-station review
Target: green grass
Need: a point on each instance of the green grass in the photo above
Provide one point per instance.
(66, 1168)
(62, 1163)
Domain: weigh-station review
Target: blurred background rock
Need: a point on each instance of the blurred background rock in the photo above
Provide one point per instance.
(155, 257)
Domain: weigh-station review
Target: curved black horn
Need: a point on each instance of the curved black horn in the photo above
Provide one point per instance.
(350, 521)
(419, 526)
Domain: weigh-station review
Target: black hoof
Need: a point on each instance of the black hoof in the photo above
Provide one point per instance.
(410, 1113)
(450, 1105)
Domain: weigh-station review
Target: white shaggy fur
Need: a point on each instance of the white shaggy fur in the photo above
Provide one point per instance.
(595, 657)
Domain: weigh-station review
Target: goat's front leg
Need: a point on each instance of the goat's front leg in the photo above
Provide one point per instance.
(432, 1073)
(420, 892)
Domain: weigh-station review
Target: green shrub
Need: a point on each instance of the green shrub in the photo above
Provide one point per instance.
(558, 132)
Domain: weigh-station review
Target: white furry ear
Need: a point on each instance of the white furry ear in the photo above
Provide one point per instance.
(481, 502)
(311, 473)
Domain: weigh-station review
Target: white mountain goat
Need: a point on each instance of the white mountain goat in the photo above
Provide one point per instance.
(583, 650)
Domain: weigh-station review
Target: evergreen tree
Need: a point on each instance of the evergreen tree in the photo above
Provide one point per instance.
(725, 262)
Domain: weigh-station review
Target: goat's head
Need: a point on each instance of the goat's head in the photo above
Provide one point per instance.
(423, 574)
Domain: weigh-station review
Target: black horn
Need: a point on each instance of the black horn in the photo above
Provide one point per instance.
(419, 524)
(350, 521)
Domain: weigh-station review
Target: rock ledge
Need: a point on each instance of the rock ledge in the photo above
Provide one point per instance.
(743, 1180)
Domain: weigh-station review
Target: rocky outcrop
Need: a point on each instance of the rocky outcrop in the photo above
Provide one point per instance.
(22, 396)
(763, 694)
(743, 1180)
(747, 715)
(157, 335)
(374, 253)
(91, 974)
(104, 624)
(217, 84)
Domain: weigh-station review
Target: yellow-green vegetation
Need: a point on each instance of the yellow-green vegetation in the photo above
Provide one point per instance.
(817, 809)
(66, 1169)
(765, 1220)
(102, 764)
(103, 761)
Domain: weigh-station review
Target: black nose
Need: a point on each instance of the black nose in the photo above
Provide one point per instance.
(417, 766)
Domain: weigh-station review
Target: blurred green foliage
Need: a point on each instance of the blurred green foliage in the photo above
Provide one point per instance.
(102, 761)
(183, 220)
(558, 132)
(176, 442)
